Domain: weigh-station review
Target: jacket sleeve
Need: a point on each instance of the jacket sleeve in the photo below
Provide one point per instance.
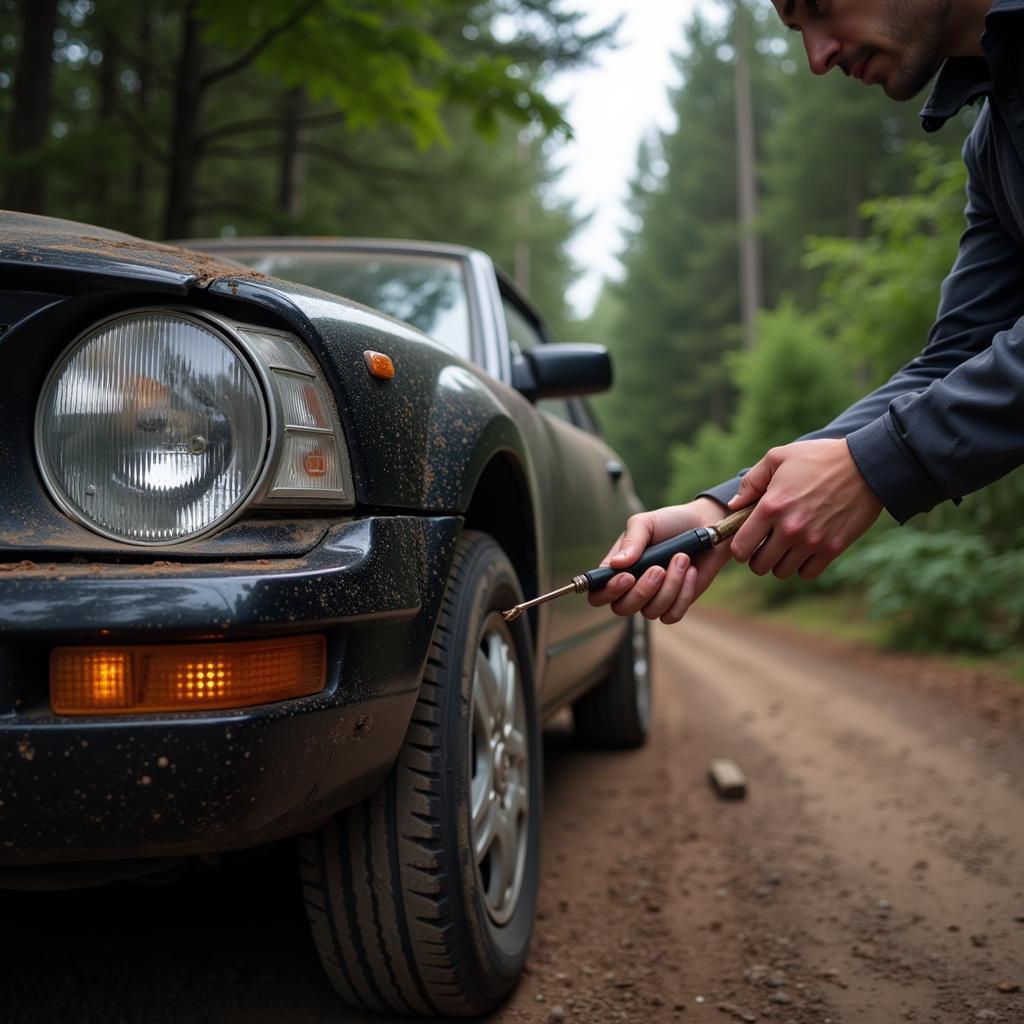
(952, 419)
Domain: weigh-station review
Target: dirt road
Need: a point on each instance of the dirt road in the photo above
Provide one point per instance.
(874, 875)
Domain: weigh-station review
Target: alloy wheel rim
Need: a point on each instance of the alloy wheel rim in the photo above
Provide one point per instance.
(499, 783)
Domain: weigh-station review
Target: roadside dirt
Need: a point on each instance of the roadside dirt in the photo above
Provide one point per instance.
(874, 874)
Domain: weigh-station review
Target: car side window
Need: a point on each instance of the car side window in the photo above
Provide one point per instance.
(523, 336)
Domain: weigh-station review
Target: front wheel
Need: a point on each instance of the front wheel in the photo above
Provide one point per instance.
(422, 898)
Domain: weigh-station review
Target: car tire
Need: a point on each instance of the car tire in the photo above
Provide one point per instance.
(422, 898)
(616, 713)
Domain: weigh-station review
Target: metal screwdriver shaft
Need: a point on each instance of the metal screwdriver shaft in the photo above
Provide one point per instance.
(691, 542)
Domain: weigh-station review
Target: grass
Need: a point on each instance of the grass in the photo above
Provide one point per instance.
(840, 614)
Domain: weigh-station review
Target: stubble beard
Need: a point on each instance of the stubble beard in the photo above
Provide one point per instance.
(922, 24)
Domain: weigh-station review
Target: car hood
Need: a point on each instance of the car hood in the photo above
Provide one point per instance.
(46, 243)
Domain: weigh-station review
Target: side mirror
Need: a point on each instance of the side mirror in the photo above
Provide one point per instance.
(562, 371)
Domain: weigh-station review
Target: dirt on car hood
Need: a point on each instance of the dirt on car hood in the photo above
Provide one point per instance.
(46, 243)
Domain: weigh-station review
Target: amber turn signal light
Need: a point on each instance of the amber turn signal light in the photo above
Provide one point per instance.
(190, 677)
(380, 365)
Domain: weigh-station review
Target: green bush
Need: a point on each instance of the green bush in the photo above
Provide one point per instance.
(940, 591)
(791, 384)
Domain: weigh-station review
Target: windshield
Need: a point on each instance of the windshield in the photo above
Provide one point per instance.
(426, 291)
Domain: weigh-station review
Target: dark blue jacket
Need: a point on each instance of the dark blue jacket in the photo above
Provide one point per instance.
(952, 420)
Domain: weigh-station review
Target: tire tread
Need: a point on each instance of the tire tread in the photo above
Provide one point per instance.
(400, 951)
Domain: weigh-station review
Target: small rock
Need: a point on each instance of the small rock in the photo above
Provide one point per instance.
(776, 981)
(727, 779)
(726, 1008)
(1008, 986)
(884, 905)
(782, 998)
(987, 1015)
(556, 1014)
(981, 941)
(747, 1017)
(755, 973)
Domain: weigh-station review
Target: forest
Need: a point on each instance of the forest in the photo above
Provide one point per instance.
(431, 118)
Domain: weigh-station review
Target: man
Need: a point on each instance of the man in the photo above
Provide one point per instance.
(952, 420)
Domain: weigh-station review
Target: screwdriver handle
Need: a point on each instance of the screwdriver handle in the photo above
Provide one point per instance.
(690, 542)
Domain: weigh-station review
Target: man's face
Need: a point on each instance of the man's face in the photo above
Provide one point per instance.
(897, 44)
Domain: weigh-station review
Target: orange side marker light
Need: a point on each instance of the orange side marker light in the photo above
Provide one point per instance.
(379, 364)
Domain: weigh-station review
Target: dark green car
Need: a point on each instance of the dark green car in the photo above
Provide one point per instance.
(255, 544)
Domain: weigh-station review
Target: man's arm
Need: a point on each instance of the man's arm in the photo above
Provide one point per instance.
(908, 436)
(948, 422)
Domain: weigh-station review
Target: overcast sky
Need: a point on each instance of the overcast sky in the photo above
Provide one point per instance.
(611, 107)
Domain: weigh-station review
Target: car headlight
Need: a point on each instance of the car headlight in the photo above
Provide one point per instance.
(159, 426)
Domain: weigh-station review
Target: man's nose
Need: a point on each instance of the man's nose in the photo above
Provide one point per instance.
(822, 51)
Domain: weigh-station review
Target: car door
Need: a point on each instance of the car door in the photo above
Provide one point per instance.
(591, 501)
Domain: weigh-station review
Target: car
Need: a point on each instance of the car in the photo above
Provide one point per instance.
(256, 544)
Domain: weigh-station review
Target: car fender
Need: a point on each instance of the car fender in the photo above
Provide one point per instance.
(421, 440)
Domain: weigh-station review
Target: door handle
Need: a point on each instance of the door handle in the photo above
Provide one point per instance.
(615, 469)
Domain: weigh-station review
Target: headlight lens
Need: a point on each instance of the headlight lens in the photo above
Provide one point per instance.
(152, 428)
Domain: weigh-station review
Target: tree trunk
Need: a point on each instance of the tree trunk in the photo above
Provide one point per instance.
(108, 96)
(140, 175)
(33, 91)
(291, 188)
(184, 148)
(746, 173)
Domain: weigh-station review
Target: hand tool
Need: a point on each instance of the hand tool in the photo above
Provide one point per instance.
(690, 542)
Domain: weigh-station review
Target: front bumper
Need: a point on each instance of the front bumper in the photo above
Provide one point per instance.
(166, 784)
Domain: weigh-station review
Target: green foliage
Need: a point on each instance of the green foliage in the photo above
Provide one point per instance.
(880, 293)
(680, 305)
(831, 147)
(791, 384)
(993, 512)
(941, 590)
(376, 60)
(317, 118)
(711, 457)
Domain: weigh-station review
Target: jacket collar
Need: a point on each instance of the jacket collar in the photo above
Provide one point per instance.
(962, 80)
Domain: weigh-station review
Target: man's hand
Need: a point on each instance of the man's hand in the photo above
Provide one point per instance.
(660, 593)
(812, 504)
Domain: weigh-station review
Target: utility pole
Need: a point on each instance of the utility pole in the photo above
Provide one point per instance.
(746, 182)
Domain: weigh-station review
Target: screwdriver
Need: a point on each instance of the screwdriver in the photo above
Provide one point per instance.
(690, 542)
